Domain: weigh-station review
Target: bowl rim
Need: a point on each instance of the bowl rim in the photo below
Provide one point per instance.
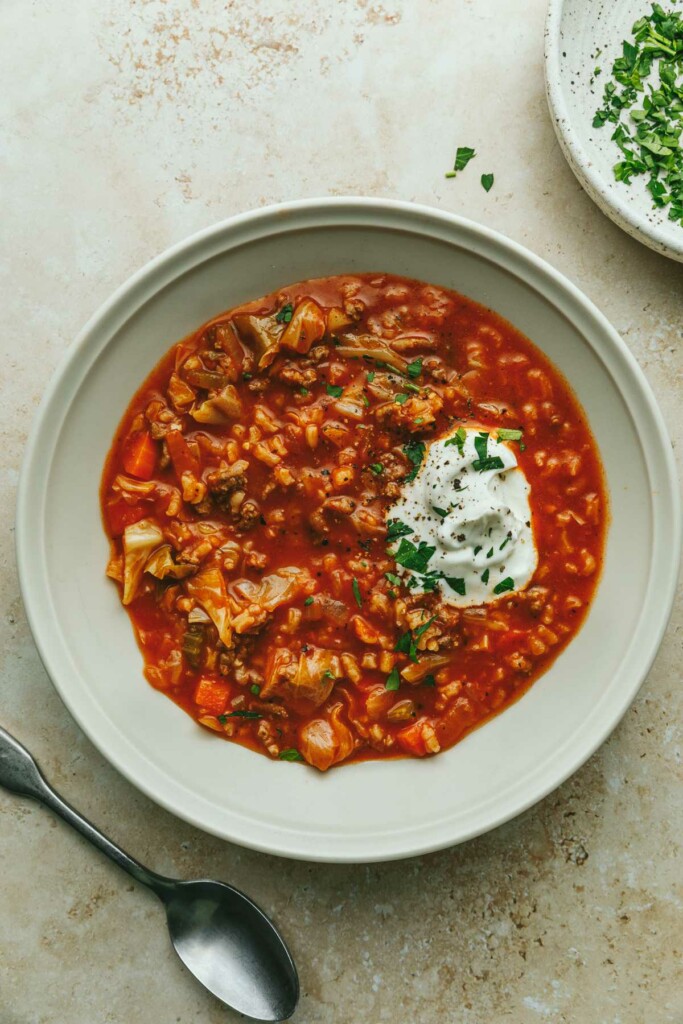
(607, 198)
(329, 212)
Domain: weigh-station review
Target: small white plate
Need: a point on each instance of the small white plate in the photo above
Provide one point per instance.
(575, 30)
(372, 810)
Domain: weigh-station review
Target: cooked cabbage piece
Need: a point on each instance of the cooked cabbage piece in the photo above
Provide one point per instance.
(139, 541)
(308, 678)
(208, 590)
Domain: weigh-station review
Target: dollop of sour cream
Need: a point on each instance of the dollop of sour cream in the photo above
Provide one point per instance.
(463, 525)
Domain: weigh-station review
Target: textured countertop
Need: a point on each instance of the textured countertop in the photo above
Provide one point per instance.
(127, 125)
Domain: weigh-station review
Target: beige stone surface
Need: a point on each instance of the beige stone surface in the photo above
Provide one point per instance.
(126, 125)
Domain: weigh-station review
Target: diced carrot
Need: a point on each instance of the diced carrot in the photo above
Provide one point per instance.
(411, 739)
(140, 455)
(120, 515)
(182, 458)
(212, 696)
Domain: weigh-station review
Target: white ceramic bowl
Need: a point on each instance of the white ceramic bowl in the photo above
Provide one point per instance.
(575, 30)
(374, 810)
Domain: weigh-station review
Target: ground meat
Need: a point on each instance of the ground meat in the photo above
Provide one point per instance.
(223, 481)
(299, 374)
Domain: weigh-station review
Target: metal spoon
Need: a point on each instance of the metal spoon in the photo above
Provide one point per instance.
(223, 938)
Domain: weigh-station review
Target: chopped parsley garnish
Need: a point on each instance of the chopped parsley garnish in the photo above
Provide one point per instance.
(491, 462)
(489, 553)
(414, 558)
(414, 369)
(285, 314)
(335, 390)
(401, 399)
(443, 512)
(393, 680)
(376, 468)
(507, 584)
(485, 575)
(456, 584)
(356, 592)
(462, 157)
(506, 541)
(407, 642)
(255, 689)
(458, 439)
(243, 714)
(393, 578)
(414, 451)
(304, 391)
(371, 376)
(409, 386)
(648, 126)
(222, 719)
(327, 674)
(429, 680)
(477, 549)
(486, 182)
(309, 600)
(395, 529)
(505, 434)
(291, 754)
(481, 444)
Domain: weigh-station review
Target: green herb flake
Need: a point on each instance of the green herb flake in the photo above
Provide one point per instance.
(356, 592)
(393, 680)
(244, 714)
(429, 680)
(396, 529)
(291, 754)
(414, 369)
(308, 601)
(491, 462)
(414, 558)
(477, 549)
(376, 467)
(485, 575)
(489, 553)
(414, 451)
(370, 376)
(462, 157)
(458, 439)
(443, 512)
(456, 584)
(304, 391)
(223, 719)
(401, 399)
(507, 584)
(504, 434)
(481, 444)
(393, 578)
(285, 314)
(335, 390)
(486, 182)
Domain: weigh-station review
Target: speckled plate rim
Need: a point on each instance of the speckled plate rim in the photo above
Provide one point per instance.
(413, 839)
(601, 192)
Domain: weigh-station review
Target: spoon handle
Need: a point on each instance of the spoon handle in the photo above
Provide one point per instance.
(19, 773)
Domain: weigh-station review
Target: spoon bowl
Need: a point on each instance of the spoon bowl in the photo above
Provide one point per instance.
(213, 925)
